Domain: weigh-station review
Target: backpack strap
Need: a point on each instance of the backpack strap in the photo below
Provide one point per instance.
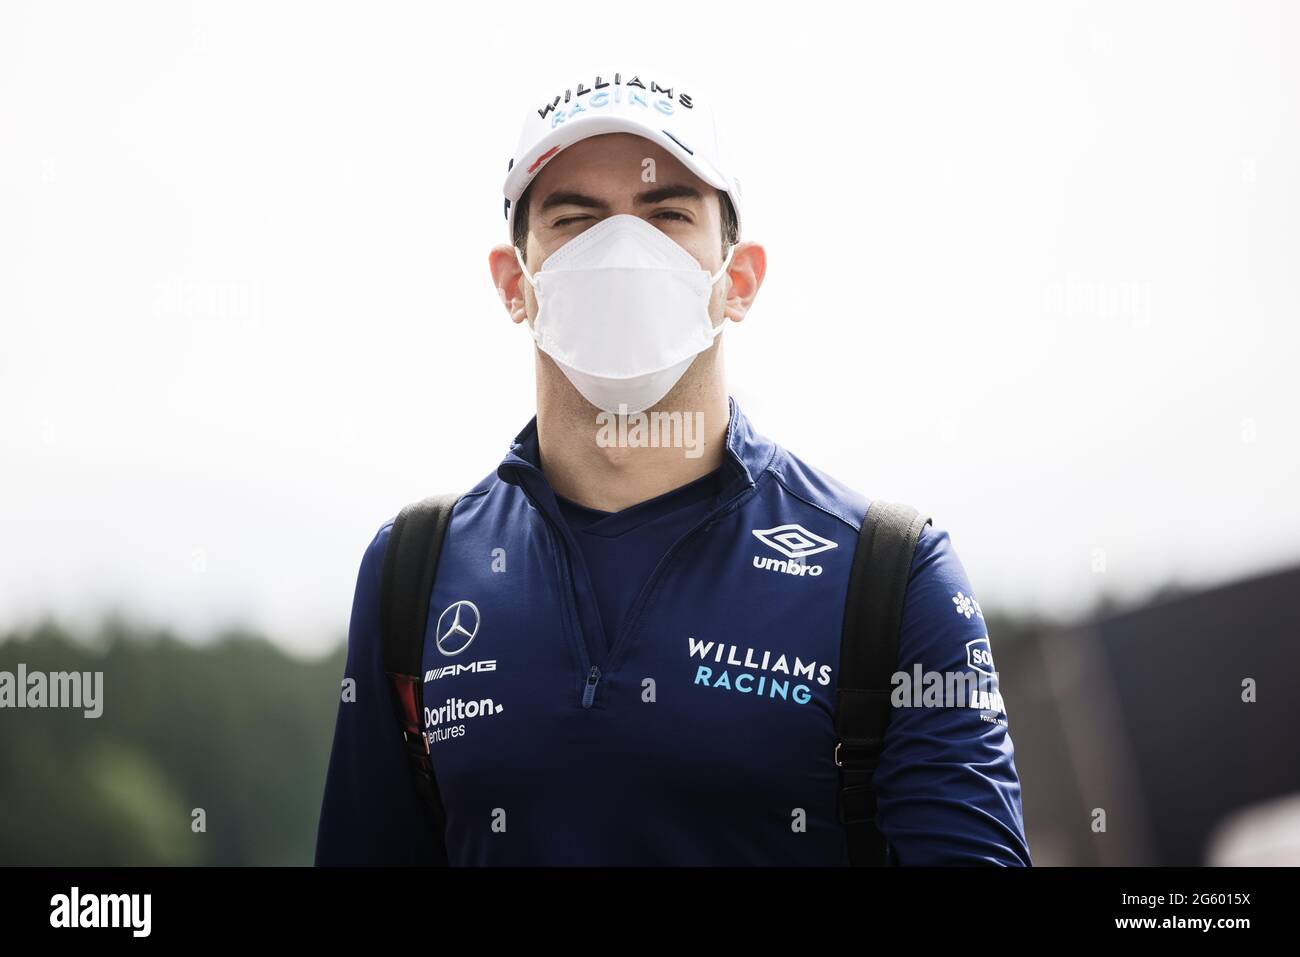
(410, 561)
(873, 616)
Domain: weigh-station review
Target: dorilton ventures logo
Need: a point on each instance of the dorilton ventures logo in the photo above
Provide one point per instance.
(796, 543)
(448, 720)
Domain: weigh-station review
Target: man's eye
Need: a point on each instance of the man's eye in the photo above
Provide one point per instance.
(668, 213)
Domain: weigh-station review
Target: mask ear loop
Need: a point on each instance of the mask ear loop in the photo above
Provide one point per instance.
(537, 336)
(715, 330)
(726, 263)
(519, 256)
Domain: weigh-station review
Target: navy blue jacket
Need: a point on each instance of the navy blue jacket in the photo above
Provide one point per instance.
(704, 735)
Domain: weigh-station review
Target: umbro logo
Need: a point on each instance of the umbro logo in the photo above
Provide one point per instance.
(796, 543)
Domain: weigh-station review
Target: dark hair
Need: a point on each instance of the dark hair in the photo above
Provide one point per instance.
(730, 228)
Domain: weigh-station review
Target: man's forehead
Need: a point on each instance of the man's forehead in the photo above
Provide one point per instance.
(613, 155)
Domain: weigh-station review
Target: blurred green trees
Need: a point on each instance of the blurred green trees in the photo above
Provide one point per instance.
(234, 727)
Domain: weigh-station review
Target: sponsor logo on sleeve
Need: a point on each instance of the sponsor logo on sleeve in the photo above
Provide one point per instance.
(979, 655)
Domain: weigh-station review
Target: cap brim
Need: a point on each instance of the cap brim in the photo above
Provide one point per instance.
(580, 128)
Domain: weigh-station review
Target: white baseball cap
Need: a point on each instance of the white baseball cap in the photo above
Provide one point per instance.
(666, 113)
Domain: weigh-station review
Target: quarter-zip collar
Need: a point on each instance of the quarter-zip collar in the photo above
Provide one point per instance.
(746, 456)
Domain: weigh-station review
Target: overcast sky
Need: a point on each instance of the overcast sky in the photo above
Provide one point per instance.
(1032, 268)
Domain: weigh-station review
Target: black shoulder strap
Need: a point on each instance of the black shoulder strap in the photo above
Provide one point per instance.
(873, 615)
(410, 561)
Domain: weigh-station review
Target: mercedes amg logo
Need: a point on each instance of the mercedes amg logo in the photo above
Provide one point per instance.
(457, 627)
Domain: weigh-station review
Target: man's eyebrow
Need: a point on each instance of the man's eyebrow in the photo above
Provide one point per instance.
(677, 191)
(569, 198)
(656, 195)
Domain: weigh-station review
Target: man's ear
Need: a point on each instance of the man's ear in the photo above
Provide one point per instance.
(509, 280)
(748, 266)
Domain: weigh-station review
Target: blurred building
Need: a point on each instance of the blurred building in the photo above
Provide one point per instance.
(1166, 735)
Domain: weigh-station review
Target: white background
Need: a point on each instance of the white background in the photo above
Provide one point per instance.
(1032, 268)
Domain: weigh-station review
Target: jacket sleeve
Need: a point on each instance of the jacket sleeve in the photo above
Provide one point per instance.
(370, 813)
(947, 788)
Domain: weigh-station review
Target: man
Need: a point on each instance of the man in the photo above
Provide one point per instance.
(633, 645)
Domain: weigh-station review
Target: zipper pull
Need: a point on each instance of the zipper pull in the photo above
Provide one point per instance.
(589, 693)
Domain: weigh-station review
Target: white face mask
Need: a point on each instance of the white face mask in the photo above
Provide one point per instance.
(623, 310)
